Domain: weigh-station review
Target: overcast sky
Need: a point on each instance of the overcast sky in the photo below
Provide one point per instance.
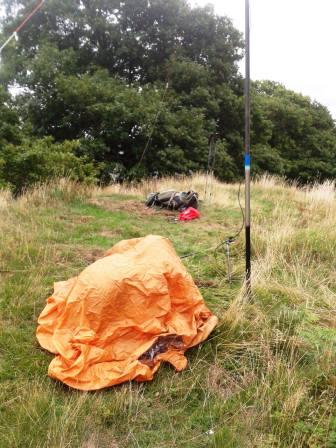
(292, 42)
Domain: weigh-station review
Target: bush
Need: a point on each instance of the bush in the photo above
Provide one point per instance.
(37, 160)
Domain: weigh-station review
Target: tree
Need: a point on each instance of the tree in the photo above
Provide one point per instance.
(297, 135)
(150, 81)
(133, 39)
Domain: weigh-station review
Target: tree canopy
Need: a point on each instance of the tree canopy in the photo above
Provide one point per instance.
(137, 87)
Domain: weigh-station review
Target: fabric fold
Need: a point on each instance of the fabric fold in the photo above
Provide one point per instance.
(101, 323)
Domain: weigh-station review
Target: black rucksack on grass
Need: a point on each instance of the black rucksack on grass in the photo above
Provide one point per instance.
(173, 200)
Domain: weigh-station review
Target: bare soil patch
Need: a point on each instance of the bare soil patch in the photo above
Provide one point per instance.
(92, 255)
(227, 385)
(110, 233)
(133, 207)
(205, 283)
(76, 219)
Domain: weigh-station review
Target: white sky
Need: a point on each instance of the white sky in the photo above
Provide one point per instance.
(292, 42)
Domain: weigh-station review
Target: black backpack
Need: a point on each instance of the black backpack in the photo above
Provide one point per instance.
(173, 200)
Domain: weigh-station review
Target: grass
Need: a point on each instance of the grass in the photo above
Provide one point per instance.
(265, 378)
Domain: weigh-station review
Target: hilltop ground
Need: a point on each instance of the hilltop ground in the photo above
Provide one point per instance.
(265, 378)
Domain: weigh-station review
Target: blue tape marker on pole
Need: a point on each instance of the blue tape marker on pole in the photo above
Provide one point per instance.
(247, 152)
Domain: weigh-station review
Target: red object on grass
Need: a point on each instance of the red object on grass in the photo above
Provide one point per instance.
(188, 214)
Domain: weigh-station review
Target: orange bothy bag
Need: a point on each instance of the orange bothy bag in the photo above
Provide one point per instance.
(123, 315)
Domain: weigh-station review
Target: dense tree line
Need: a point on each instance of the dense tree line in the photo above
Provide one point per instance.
(103, 87)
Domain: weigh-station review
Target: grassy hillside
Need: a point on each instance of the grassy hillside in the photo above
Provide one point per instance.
(265, 378)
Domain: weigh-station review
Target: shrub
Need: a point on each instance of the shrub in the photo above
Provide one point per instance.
(37, 160)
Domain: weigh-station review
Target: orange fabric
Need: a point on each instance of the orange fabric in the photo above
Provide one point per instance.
(100, 323)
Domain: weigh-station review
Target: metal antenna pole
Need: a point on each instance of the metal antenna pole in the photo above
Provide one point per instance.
(247, 151)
